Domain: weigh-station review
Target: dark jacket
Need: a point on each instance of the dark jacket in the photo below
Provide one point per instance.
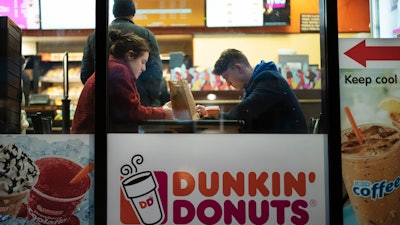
(268, 104)
(150, 80)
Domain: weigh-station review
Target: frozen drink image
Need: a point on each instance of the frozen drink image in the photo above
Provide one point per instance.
(371, 173)
(54, 199)
(18, 174)
(141, 190)
(392, 106)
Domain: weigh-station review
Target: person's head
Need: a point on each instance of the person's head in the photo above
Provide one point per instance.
(124, 8)
(234, 67)
(131, 48)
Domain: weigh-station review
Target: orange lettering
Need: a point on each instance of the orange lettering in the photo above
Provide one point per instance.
(214, 186)
(258, 183)
(142, 204)
(276, 184)
(230, 183)
(298, 185)
(178, 179)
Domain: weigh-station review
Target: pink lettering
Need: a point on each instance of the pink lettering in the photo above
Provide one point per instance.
(280, 206)
(178, 207)
(201, 212)
(150, 201)
(239, 212)
(298, 207)
(263, 218)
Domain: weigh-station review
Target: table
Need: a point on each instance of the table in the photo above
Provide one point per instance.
(190, 126)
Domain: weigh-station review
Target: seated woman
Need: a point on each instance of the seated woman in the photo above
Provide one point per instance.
(128, 56)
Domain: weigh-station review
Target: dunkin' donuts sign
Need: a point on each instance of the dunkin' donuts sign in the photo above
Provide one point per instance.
(225, 195)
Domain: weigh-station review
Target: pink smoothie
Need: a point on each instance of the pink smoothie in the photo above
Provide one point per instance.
(55, 174)
(53, 200)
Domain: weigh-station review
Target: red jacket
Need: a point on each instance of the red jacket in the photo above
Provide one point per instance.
(124, 108)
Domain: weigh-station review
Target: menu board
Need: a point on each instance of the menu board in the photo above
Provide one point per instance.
(252, 13)
(71, 14)
(169, 13)
(24, 13)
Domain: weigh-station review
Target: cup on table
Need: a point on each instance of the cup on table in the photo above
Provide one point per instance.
(212, 112)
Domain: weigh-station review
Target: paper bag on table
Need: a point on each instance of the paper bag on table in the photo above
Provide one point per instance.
(182, 100)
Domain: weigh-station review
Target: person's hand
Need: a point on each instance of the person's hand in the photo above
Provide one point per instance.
(201, 110)
(169, 113)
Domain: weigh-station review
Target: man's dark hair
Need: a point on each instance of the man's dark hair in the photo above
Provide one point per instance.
(228, 58)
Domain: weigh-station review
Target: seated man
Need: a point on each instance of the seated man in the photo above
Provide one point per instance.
(268, 104)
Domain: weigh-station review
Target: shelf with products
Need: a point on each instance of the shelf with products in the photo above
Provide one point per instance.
(48, 90)
(51, 76)
(51, 83)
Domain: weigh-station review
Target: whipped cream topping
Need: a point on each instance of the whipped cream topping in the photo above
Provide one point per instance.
(18, 173)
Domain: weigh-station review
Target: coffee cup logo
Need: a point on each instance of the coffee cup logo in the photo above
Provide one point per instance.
(140, 189)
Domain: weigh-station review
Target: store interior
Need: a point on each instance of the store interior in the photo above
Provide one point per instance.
(46, 50)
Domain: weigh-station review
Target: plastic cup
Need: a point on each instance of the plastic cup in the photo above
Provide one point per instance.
(212, 111)
(371, 173)
(141, 190)
(53, 200)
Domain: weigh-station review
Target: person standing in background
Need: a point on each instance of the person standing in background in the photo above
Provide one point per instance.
(268, 105)
(150, 84)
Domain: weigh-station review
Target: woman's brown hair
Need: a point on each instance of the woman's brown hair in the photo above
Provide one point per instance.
(123, 42)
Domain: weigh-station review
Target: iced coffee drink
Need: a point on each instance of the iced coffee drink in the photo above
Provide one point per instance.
(371, 173)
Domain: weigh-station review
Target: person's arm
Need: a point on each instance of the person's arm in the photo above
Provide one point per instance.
(88, 59)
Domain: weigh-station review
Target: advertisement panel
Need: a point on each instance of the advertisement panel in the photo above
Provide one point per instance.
(39, 181)
(216, 179)
(370, 119)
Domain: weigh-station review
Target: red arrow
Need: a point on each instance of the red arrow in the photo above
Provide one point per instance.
(361, 53)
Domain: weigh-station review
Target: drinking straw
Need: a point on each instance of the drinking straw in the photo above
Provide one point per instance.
(82, 173)
(356, 131)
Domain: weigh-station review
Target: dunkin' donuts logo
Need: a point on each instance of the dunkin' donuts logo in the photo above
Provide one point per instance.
(141, 190)
(214, 197)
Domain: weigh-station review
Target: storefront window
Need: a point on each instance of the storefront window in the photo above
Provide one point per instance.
(196, 169)
(231, 131)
